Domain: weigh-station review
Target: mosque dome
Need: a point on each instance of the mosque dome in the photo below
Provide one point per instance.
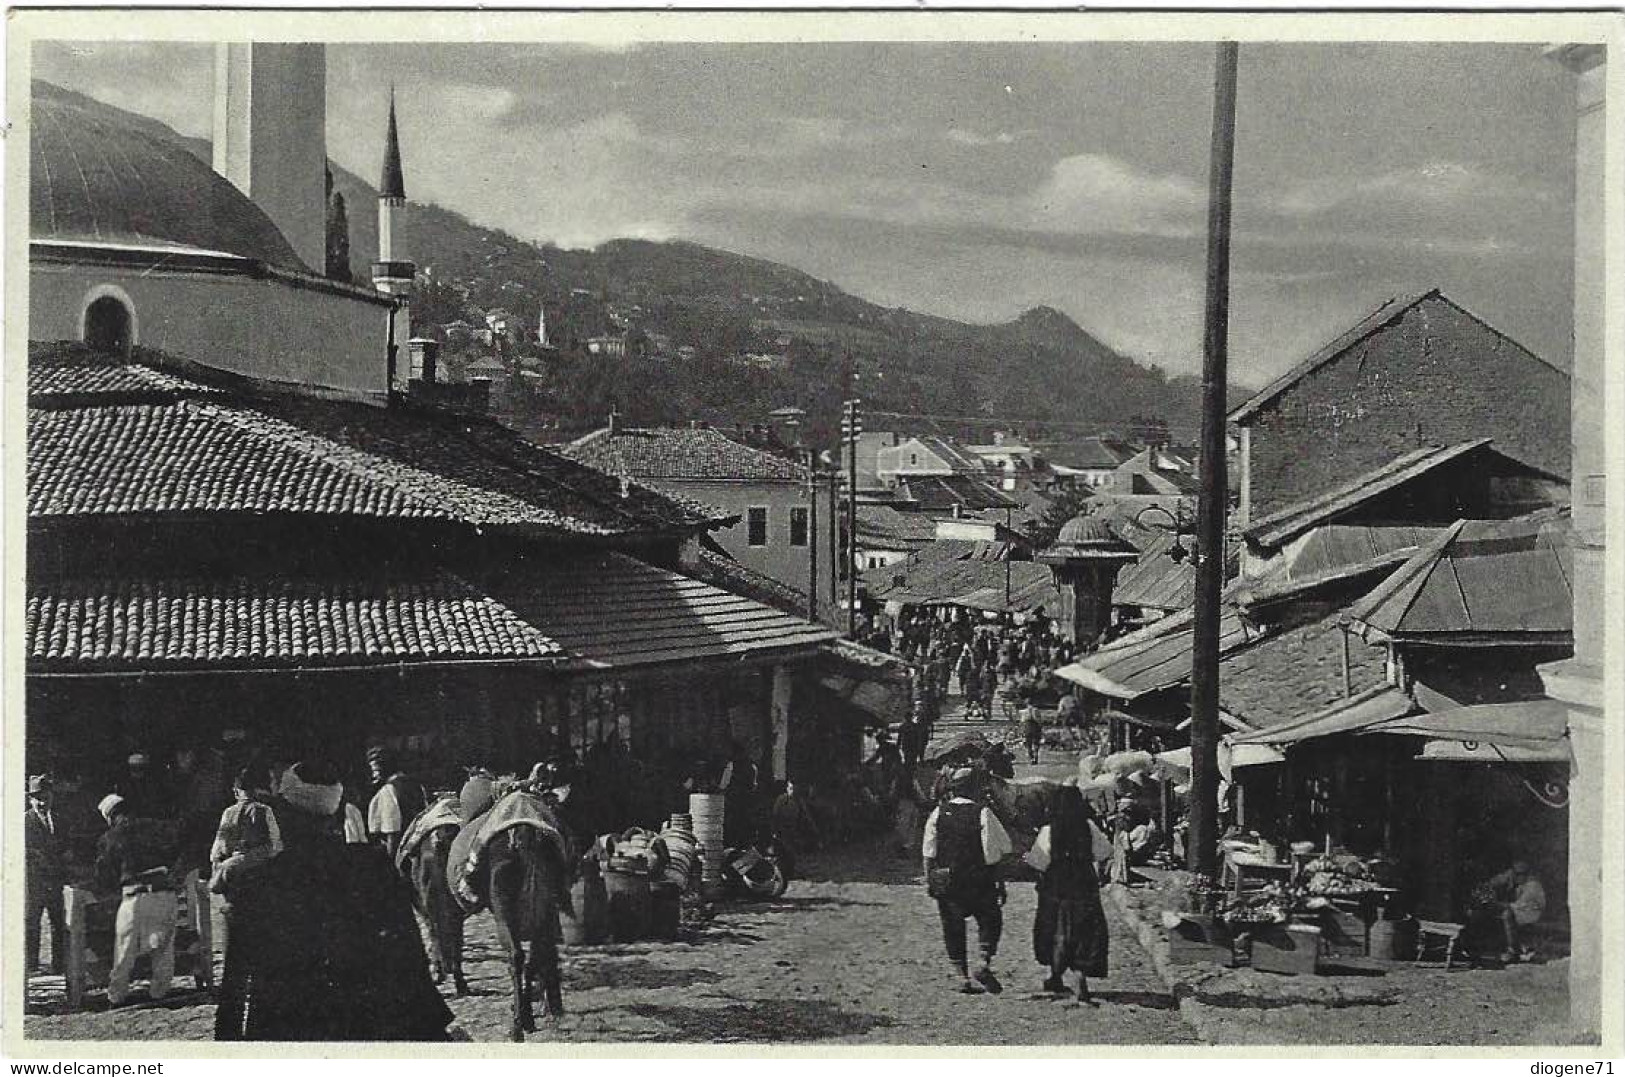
(99, 174)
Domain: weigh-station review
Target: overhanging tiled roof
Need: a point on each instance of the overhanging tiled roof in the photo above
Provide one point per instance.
(1480, 581)
(674, 453)
(87, 624)
(884, 526)
(613, 612)
(132, 439)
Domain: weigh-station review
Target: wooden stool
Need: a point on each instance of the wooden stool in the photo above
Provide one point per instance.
(1433, 933)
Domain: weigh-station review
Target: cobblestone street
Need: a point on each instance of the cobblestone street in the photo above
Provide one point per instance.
(850, 955)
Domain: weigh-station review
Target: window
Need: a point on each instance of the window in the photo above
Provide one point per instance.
(107, 325)
(798, 527)
(913, 459)
(756, 522)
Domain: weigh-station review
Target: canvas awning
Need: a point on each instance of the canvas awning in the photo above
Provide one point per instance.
(1535, 725)
(1456, 751)
(1347, 716)
(1230, 755)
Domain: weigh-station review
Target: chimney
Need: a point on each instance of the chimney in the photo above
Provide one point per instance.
(614, 423)
(424, 359)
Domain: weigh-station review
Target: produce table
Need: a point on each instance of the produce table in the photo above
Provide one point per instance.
(1238, 866)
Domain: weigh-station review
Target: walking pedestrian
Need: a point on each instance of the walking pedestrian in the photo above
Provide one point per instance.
(1032, 730)
(325, 945)
(134, 859)
(45, 874)
(1069, 931)
(962, 846)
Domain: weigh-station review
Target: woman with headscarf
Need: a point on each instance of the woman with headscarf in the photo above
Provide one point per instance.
(1069, 932)
(324, 946)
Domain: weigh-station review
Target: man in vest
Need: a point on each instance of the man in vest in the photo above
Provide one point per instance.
(964, 842)
(397, 801)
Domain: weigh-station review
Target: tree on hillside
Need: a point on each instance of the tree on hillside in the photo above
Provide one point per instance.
(1067, 504)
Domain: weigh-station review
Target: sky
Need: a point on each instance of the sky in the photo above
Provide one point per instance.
(974, 180)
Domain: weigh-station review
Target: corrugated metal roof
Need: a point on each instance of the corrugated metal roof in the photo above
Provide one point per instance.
(1478, 580)
(944, 493)
(1157, 581)
(85, 624)
(1331, 547)
(614, 612)
(1293, 520)
(1128, 670)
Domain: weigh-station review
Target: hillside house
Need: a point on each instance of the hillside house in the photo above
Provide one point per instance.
(778, 529)
(1088, 462)
(1419, 371)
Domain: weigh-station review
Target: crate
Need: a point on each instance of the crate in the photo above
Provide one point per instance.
(1201, 940)
(1293, 950)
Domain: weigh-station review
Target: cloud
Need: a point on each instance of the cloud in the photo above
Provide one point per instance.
(966, 137)
(1093, 193)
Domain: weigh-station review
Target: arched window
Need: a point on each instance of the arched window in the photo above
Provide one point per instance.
(108, 325)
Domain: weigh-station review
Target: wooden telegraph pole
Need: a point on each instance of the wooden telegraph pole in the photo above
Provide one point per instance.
(1203, 840)
(851, 426)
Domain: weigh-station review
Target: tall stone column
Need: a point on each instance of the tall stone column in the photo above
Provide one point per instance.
(1578, 682)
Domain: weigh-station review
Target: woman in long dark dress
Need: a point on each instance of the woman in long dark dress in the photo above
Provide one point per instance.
(1069, 933)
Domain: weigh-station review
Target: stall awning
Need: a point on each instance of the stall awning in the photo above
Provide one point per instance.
(1456, 751)
(870, 680)
(1352, 715)
(1230, 755)
(1535, 725)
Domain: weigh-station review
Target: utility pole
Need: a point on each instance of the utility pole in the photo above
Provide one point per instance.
(812, 535)
(851, 427)
(1210, 523)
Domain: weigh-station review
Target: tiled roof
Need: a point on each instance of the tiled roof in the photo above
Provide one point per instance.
(1297, 673)
(1481, 579)
(101, 443)
(83, 623)
(943, 493)
(1086, 454)
(65, 373)
(953, 455)
(614, 612)
(884, 526)
(677, 453)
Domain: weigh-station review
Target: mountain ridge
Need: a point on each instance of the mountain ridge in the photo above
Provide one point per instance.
(812, 342)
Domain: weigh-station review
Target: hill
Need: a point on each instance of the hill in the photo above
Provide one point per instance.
(692, 313)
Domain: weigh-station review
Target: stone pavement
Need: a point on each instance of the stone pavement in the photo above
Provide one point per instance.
(851, 955)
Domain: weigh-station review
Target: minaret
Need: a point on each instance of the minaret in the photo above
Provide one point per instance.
(390, 275)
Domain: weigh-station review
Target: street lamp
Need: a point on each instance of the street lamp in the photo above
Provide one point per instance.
(1178, 526)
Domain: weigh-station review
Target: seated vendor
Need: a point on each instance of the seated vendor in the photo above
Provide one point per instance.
(1520, 900)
